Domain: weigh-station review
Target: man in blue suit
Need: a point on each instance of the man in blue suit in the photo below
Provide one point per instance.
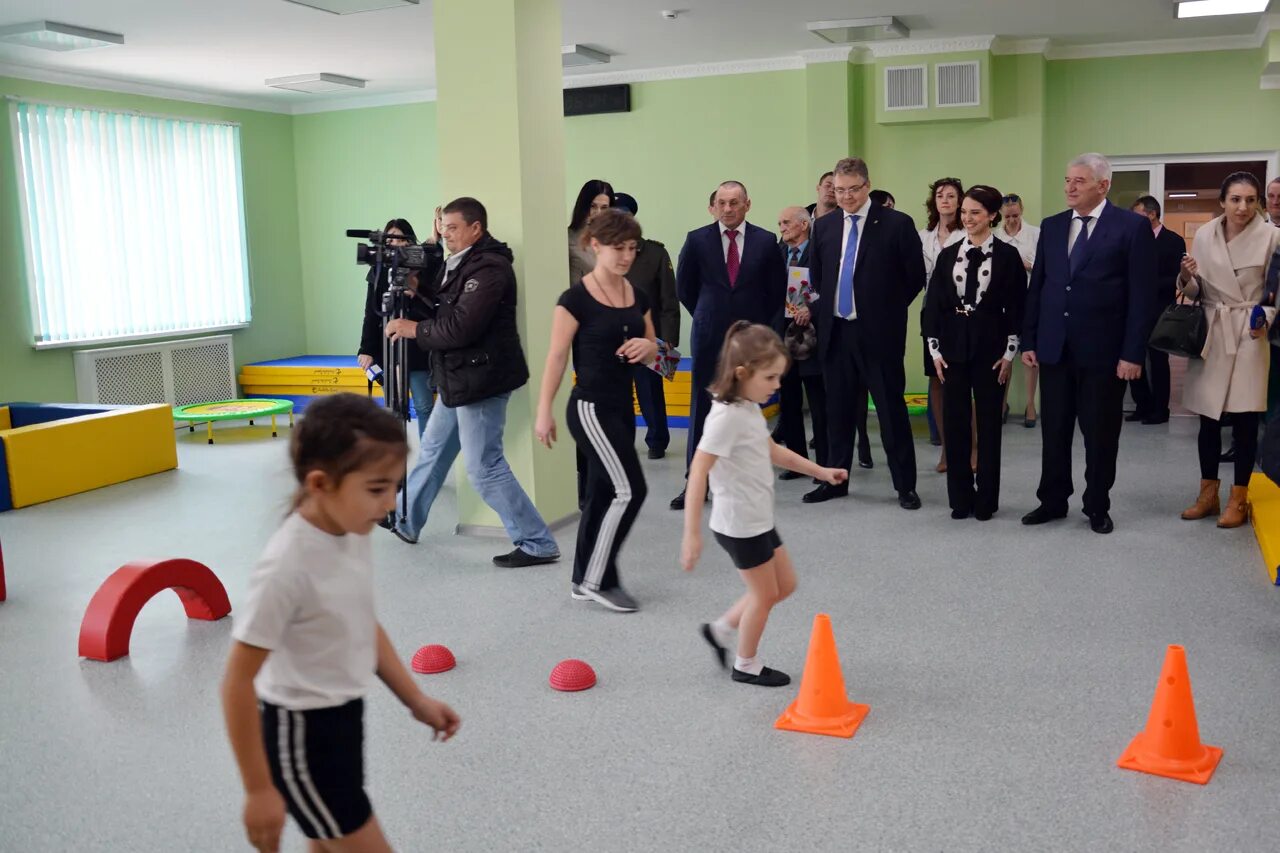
(1088, 316)
(729, 270)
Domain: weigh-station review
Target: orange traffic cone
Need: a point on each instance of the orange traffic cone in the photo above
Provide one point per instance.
(1170, 744)
(823, 708)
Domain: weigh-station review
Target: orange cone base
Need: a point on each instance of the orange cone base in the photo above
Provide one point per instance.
(1198, 770)
(843, 725)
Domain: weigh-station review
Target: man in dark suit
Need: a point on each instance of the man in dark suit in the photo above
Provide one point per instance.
(1087, 322)
(869, 266)
(1151, 392)
(653, 275)
(729, 270)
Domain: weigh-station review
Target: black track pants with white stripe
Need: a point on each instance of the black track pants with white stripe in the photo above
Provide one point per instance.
(615, 488)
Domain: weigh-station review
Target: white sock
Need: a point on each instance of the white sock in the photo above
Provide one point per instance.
(751, 666)
(722, 631)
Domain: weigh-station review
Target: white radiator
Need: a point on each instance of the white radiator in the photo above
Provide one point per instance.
(198, 370)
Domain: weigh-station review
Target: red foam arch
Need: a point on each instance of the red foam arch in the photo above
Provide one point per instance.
(108, 620)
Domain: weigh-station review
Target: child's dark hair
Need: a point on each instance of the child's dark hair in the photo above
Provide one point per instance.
(748, 345)
(341, 434)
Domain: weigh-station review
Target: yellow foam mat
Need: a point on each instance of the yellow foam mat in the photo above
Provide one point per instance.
(5, 423)
(73, 455)
(303, 380)
(1265, 497)
(307, 390)
(259, 370)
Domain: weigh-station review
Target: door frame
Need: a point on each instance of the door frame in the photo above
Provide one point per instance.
(1156, 163)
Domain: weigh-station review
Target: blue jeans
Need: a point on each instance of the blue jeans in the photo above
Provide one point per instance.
(422, 389)
(475, 430)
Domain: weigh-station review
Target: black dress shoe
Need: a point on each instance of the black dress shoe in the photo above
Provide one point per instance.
(909, 499)
(1152, 420)
(656, 453)
(678, 501)
(790, 475)
(1101, 523)
(520, 558)
(1041, 514)
(826, 492)
(983, 514)
(1135, 415)
(959, 514)
(866, 463)
(1229, 455)
(766, 678)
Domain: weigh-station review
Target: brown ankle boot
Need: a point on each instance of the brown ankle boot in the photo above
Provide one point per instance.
(1207, 504)
(1237, 508)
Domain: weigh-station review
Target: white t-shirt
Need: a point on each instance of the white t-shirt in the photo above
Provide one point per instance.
(742, 479)
(311, 605)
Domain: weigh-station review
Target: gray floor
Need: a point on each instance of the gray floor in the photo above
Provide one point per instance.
(1006, 669)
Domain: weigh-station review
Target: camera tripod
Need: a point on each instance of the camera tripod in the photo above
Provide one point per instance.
(394, 377)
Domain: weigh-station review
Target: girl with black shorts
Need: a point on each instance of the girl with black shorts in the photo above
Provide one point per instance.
(737, 455)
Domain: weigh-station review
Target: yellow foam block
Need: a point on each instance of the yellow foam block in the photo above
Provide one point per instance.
(358, 380)
(307, 390)
(1265, 497)
(344, 372)
(73, 455)
(5, 423)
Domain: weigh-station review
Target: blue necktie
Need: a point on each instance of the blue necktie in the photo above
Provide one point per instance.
(1082, 240)
(844, 287)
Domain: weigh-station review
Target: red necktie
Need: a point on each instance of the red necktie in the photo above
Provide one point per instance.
(733, 261)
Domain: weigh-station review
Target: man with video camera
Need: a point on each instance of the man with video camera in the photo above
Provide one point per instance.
(398, 233)
(471, 336)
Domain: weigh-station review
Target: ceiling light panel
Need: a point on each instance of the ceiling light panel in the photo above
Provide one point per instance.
(50, 35)
(573, 55)
(1209, 8)
(350, 7)
(316, 84)
(856, 30)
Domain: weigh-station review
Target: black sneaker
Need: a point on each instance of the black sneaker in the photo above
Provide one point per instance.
(389, 523)
(519, 558)
(766, 678)
(577, 593)
(656, 453)
(721, 651)
(615, 599)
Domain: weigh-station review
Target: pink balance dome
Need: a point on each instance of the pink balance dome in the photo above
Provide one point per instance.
(432, 659)
(572, 675)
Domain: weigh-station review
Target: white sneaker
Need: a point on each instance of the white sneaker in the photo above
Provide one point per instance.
(578, 593)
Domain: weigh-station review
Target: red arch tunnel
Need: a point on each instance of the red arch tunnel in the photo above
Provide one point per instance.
(108, 621)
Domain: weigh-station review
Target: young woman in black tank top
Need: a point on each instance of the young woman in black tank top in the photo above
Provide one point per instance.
(606, 324)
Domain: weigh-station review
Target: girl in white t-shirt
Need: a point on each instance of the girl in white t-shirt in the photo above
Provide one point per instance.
(737, 455)
(307, 643)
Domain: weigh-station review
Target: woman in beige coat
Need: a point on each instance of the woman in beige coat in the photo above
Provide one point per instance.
(1226, 269)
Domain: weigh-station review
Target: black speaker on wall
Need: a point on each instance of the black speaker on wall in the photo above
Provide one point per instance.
(591, 100)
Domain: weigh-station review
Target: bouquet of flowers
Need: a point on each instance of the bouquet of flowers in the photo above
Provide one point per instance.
(667, 361)
(800, 292)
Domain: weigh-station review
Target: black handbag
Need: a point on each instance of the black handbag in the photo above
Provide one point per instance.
(1181, 330)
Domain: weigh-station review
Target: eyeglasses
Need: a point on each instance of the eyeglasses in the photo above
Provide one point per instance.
(1012, 198)
(850, 190)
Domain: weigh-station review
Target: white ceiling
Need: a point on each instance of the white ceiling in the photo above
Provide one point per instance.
(226, 48)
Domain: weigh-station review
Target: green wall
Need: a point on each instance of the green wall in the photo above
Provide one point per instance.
(308, 178)
(271, 222)
(356, 169)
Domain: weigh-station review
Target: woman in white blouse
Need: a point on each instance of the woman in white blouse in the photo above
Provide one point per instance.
(943, 205)
(971, 321)
(1023, 237)
(1226, 270)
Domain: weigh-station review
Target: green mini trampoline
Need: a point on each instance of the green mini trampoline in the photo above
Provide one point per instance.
(234, 410)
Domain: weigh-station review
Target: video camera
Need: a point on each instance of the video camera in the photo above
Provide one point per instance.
(402, 259)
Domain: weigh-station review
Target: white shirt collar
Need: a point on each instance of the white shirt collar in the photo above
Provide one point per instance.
(455, 259)
(1095, 213)
(986, 244)
(861, 212)
(741, 229)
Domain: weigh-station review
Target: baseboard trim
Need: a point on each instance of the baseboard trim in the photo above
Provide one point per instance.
(487, 531)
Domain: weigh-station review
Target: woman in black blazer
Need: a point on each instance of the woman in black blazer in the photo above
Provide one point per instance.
(971, 319)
